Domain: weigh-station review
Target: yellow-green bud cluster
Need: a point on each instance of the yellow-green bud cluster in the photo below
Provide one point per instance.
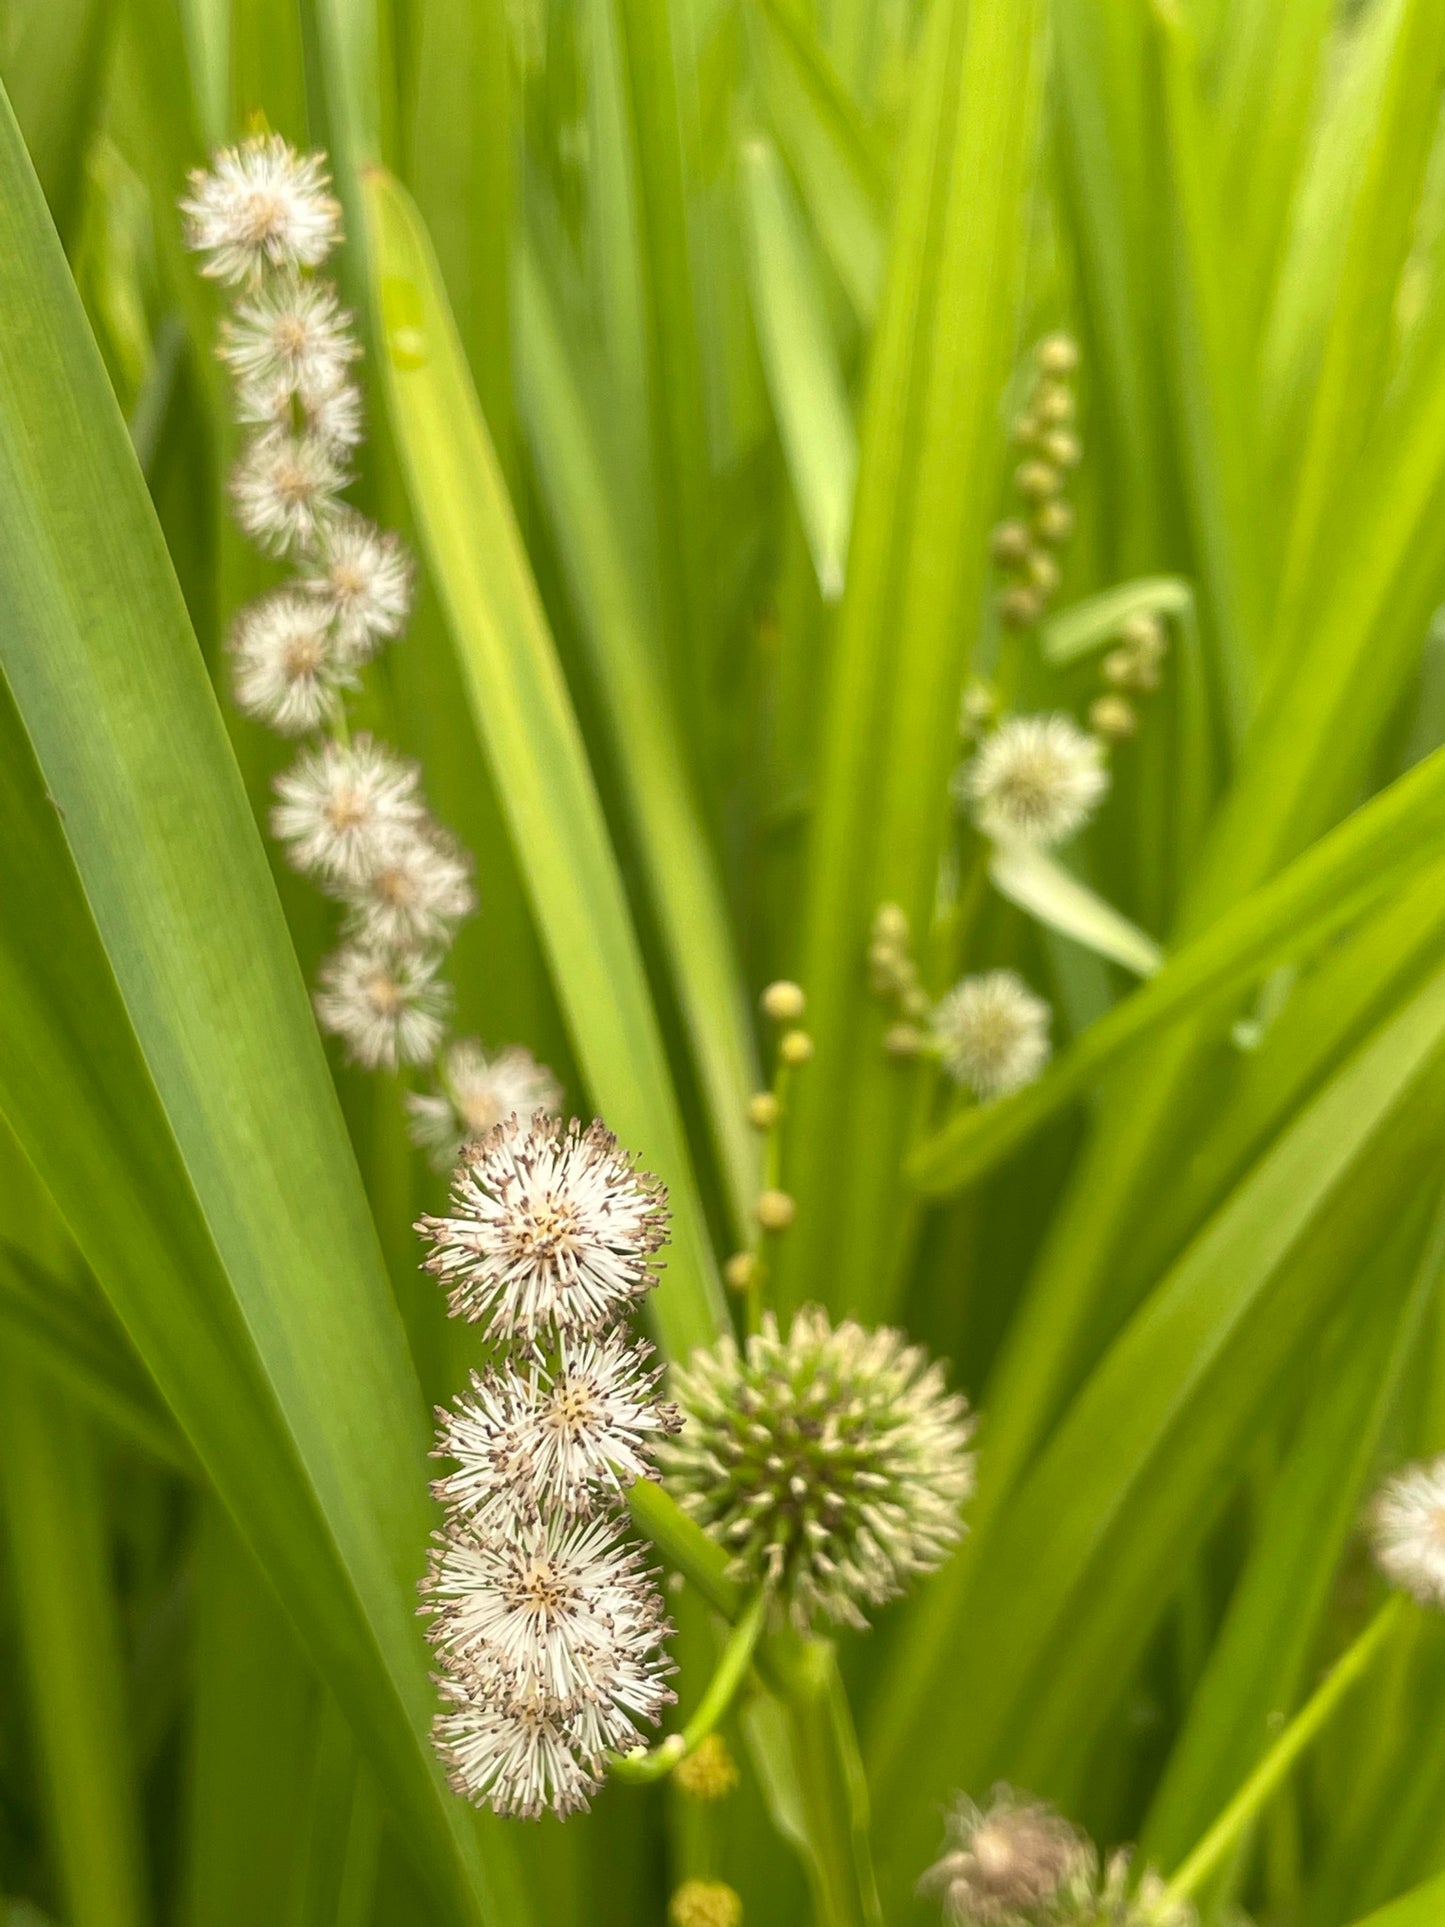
(1134, 666)
(705, 1903)
(1024, 547)
(893, 978)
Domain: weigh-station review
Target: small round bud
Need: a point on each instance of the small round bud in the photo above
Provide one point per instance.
(890, 923)
(762, 1110)
(1119, 668)
(1054, 405)
(705, 1903)
(1018, 608)
(739, 1271)
(1054, 522)
(1043, 573)
(884, 963)
(783, 1002)
(709, 1773)
(1063, 448)
(1037, 480)
(1009, 543)
(902, 1040)
(1024, 429)
(979, 705)
(1113, 718)
(774, 1210)
(1057, 354)
(795, 1047)
(915, 1003)
(1144, 635)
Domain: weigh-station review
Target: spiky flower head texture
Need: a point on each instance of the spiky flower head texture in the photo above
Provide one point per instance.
(387, 1006)
(476, 1092)
(259, 207)
(290, 334)
(1034, 780)
(1407, 1531)
(553, 1231)
(415, 890)
(284, 488)
(363, 576)
(285, 667)
(559, 1439)
(831, 1463)
(550, 1635)
(338, 804)
(991, 1033)
(1006, 1864)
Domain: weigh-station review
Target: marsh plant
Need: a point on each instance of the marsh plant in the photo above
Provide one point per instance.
(723, 753)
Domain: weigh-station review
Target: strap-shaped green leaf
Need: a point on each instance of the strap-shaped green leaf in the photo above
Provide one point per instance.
(525, 718)
(1079, 1562)
(161, 1067)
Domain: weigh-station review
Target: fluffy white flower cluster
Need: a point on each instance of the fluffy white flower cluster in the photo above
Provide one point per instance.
(547, 1623)
(349, 811)
(1407, 1531)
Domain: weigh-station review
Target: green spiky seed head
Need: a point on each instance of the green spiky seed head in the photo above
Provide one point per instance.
(832, 1463)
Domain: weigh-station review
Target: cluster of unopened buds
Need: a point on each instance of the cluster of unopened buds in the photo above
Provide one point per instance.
(785, 1006)
(1132, 668)
(1025, 547)
(546, 1619)
(349, 811)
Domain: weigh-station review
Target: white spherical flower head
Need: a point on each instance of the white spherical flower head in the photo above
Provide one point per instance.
(559, 1441)
(992, 1033)
(476, 1093)
(386, 1007)
(284, 488)
(293, 336)
(285, 667)
(512, 1747)
(552, 1231)
(1407, 1531)
(364, 578)
(338, 804)
(568, 1608)
(416, 890)
(330, 417)
(261, 206)
(1006, 1863)
(1036, 780)
(832, 1464)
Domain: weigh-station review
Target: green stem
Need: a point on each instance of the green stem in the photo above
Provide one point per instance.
(804, 1675)
(760, 1293)
(731, 1670)
(1273, 1768)
(685, 1546)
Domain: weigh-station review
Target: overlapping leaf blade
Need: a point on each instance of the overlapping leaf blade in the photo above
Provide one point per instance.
(161, 1067)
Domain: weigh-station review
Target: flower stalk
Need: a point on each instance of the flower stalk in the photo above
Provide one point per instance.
(642, 1767)
(1268, 1776)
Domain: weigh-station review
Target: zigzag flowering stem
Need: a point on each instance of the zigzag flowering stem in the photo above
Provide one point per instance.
(732, 1669)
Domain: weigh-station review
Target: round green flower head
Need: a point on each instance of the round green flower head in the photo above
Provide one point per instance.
(831, 1463)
